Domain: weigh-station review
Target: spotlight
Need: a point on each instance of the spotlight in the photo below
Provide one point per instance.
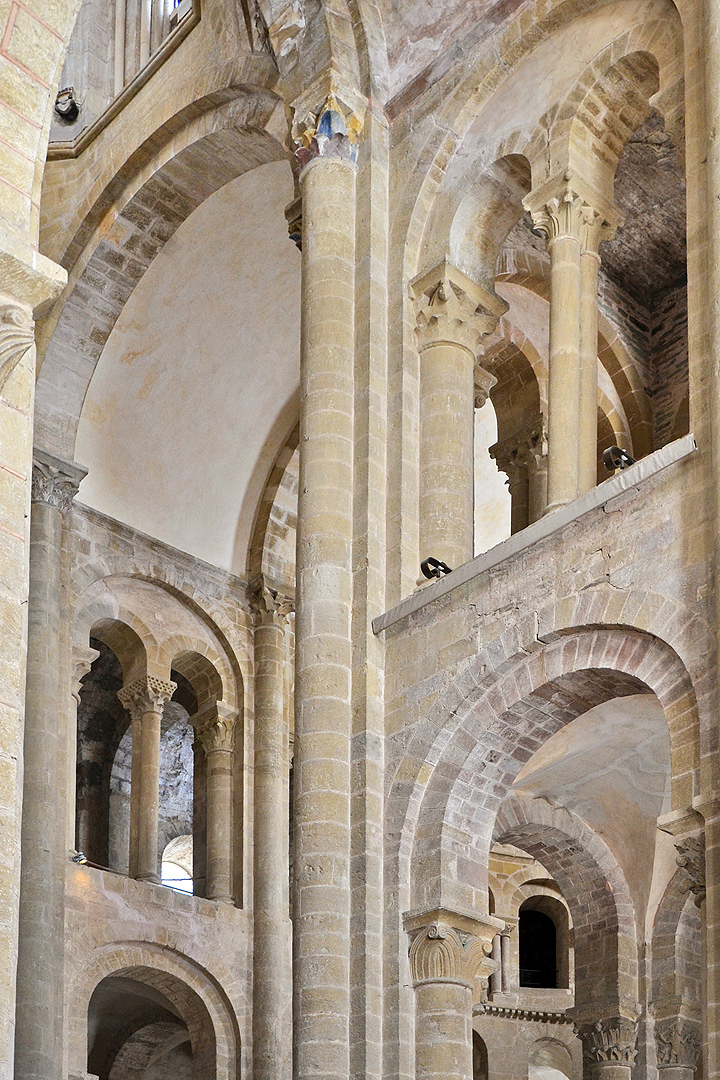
(434, 568)
(615, 458)
(79, 857)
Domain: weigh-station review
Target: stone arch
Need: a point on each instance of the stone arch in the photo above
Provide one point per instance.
(197, 995)
(205, 669)
(180, 165)
(594, 889)
(676, 951)
(551, 1053)
(258, 536)
(501, 706)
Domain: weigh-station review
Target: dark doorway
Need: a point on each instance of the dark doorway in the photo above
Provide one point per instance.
(538, 954)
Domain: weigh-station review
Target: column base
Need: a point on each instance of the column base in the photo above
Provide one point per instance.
(154, 879)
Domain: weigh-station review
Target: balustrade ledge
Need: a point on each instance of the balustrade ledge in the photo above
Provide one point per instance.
(601, 495)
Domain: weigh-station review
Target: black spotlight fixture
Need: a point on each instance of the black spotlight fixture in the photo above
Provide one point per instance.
(66, 106)
(434, 568)
(616, 458)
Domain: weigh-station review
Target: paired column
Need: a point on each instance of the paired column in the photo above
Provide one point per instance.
(145, 700)
(449, 951)
(454, 314)
(323, 718)
(564, 211)
(42, 881)
(272, 1017)
(215, 730)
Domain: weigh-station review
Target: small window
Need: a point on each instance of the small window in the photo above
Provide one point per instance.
(538, 950)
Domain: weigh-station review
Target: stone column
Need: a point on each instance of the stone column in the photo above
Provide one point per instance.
(454, 314)
(505, 958)
(272, 1016)
(694, 852)
(449, 951)
(42, 881)
(496, 986)
(510, 460)
(215, 728)
(608, 1048)
(524, 459)
(323, 715)
(145, 699)
(595, 229)
(561, 210)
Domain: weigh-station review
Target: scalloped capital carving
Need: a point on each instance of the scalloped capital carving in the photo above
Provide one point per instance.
(446, 944)
(148, 694)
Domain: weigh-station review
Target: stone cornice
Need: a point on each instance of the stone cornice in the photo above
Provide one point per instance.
(511, 1012)
(55, 482)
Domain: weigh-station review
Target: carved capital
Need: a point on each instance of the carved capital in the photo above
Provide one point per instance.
(524, 452)
(691, 858)
(609, 1040)
(82, 659)
(678, 1041)
(453, 309)
(215, 727)
(55, 482)
(17, 334)
(148, 694)
(331, 131)
(270, 604)
(484, 383)
(566, 206)
(448, 944)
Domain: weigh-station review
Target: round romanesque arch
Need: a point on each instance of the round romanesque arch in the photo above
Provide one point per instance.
(199, 998)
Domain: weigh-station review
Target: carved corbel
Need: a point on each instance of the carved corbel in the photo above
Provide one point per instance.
(82, 660)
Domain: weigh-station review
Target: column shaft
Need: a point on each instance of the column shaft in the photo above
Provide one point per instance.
(443, 1031)
(135, 787)
(148, 803)
(447, 439)
(40, 955)
(323, 653)
(219, 824)
(711, 964)
(505, 962)
(564, 371)
(587, 464)
(272, 1020)
(496, 977)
